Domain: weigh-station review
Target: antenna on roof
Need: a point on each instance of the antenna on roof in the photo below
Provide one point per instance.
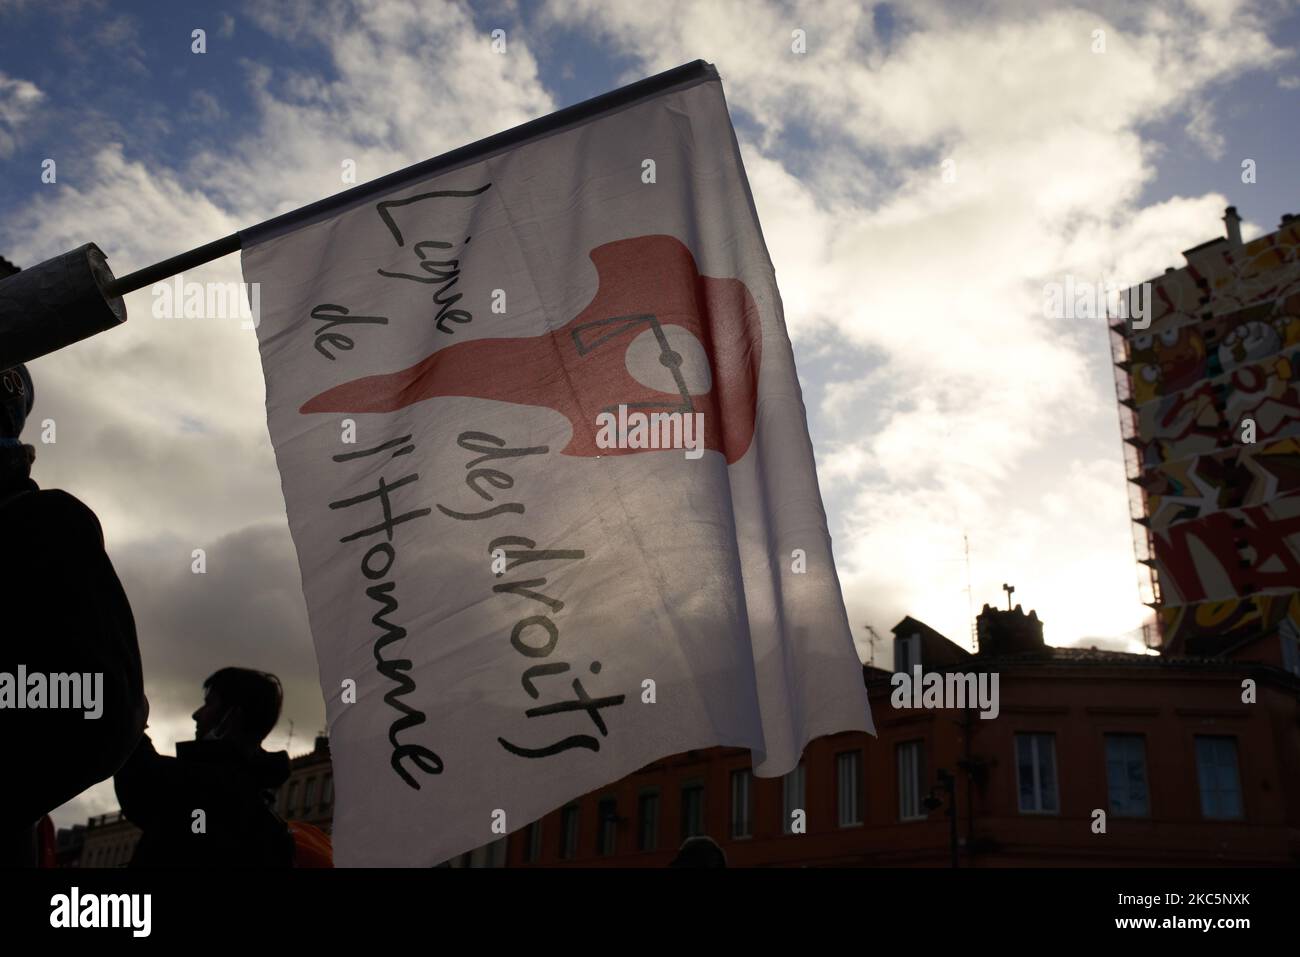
(970, 601)
(871, 659)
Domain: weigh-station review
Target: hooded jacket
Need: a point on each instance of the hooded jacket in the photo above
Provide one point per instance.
(62, 612)
(234, 788)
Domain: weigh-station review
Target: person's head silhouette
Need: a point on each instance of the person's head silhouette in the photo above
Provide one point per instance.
(700, 851)
(240, 706)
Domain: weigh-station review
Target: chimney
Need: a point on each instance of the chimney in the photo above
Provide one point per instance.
(1287, 219)
(1008, 632)
(1233, 224)
(322, 743)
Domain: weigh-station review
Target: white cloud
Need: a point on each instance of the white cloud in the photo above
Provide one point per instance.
(412, 82)
(982, 410)
(1202, 132)
(19, 98)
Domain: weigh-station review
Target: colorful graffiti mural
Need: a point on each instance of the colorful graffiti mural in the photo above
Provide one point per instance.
(1213, 625)
(1236, 477)
(1212, 394)
(1231, 554)
(1207, 416)
(1219, 279)
(1177, 357)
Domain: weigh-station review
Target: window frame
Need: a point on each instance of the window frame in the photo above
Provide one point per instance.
(692, 785)
(570, 812)
(915, 746)
(858, 809)
(1129, 737)
(648, 841)
(745, 775)
(1034, 737)
(533, 842)
(799, 774)
(1231, 740)
(607, 825)
(912, 646)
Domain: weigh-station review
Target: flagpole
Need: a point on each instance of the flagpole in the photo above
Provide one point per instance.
(170, 267)
(685, 75)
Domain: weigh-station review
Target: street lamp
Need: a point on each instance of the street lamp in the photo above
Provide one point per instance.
(947, 783)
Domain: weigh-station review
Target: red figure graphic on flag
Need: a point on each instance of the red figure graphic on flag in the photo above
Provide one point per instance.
(580, 369)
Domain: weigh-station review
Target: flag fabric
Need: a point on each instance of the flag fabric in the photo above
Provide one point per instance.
(547, 469)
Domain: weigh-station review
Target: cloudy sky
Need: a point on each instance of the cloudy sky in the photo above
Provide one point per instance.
(942, 403)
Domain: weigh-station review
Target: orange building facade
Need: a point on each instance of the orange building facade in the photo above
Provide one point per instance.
(1183, 771)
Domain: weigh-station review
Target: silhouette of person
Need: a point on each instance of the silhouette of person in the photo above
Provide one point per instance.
(68, 637)
(702, 851)
(212, 804)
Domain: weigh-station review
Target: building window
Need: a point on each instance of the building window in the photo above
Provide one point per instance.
(291, 802)
(792, 787)
(1126, 775)
(533, 843)
(692, 809)
(647, 817)
(327, 793)
(309, 796)
(907, 652)
(848, 788)
(911, 781)
(569, 832)
(1036, 773)
(1216, 771)
(607, 815)
(742, 796)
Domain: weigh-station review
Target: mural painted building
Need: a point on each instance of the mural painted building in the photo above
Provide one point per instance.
(1209, 399)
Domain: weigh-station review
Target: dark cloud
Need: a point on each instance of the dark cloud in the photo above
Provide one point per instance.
(246, 609)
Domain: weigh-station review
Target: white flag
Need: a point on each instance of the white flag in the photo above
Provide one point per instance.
(547, 469)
